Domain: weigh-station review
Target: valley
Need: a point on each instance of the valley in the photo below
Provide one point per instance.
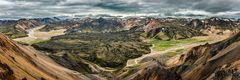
(119, 40)
(120, 49)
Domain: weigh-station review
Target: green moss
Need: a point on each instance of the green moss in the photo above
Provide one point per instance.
(161, 45)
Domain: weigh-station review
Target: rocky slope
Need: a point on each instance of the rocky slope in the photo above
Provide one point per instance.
(218, 61)
(8, 28)
(56, 23)
(25, 24)
(165, 29)
(172, 32)
(97, 25)
(215, 25)
(213, 61)
(18, 28)
(18, 62)
(47, 21)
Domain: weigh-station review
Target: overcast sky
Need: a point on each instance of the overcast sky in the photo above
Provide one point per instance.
(14, 9)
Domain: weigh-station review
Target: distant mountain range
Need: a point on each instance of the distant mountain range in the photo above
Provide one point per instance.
(152, 26)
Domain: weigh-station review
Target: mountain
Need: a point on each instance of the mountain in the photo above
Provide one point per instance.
(159, 28)
(48, 20)
(166, 29)
(151, 26)
(214, 22)
(61, 24)
(174, 28)
(212, 61)
(97, 25)
(18, 62)
(25, 24)
(217, 61)
(8, 28)
(7, 22)
(18, 28)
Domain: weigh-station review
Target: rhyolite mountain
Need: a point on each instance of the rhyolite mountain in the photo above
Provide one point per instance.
(25, 24)
(18, 28)
(19, 62)
(217, 61)
(212, 61)
(219, 23)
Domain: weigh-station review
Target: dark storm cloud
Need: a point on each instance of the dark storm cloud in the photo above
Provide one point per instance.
(108, 4)
(44, 2)
(217, 6)
(213, 6)
(46, 8)
(119, 6)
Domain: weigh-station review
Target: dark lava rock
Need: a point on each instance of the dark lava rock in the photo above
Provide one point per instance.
(105, 49)
(172, 32)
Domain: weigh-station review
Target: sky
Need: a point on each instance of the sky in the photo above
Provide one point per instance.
(15, 9)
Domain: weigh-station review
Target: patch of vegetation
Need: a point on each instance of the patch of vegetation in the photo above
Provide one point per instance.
(161, 45)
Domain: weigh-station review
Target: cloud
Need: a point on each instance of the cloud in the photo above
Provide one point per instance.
(5, 4)
(50, 8)
(215, 6)
(119, 6)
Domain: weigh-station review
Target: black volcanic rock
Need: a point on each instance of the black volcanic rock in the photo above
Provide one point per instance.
(172, 32)
(48, 20)
(97, 25)
(105, 49)
(7, 22)
(175, 28)
(63, 24)
(218, 23)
